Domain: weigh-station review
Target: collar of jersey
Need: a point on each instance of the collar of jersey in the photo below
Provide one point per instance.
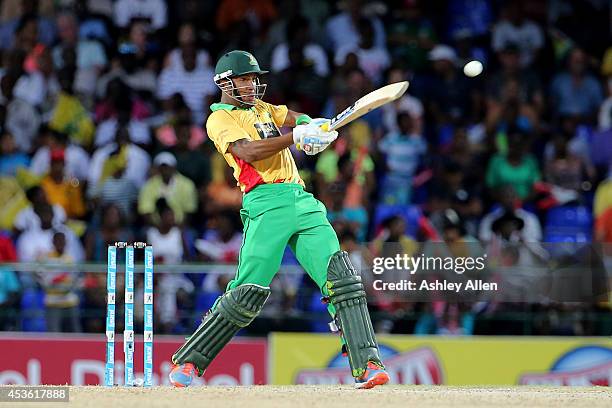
(226, 106)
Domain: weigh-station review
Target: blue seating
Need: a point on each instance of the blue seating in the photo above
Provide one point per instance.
(410, 213)
(568, 224)
(570, 216)
(33, 310)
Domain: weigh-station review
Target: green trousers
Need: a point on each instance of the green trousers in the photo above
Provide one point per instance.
(275, 215)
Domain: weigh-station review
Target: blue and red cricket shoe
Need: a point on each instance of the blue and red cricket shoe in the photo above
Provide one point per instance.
(373, 376)
(182, 375)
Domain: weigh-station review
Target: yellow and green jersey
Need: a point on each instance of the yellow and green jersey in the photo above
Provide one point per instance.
(229, 123)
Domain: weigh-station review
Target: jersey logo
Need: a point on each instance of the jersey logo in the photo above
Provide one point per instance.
(267, 130)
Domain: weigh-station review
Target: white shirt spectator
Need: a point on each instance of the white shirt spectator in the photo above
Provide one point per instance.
(27, 219)
(176, 61)
(342, 32)
(169, 285)
(195, 86)
(155, 10)
(312, 52)
(139, 132)
(77, 162)
(528, 37)
(35, 244)
(408, 104)
(138, 163)
(531, 232)
(31, 88)
(167, 246)
(372, 61)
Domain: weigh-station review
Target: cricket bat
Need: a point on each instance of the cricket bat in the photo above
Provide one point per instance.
(367, 103)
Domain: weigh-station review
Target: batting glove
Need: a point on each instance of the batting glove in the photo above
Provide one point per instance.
(312, 139)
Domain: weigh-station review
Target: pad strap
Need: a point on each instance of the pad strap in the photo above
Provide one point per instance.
(348, 296)
(236, 309)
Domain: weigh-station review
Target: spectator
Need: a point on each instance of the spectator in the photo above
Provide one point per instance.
(178, 190)
(89, 55)
(393, 232)
(372, 59)
(76, 159)
(118, 94)
(112, 228)
(45, 29)
(518, 168)
(30, 217)
(173, 288)
(220, 245)
(299, 83)
(139, 74)
(410, 35)
(258, 14)
(138, 160)
(407, 104)
(509, 203)
(566, 170)
(403, 151)
(192, 160)
(69, 115)
(515, 29)
(115, 188)
(448, 94)
(222, 194)
(154, 11)
(187, 41)
(194, 82)
(62, 190)
(298, 36)
(20, 93)
(10, 158)
(137, 129)
(351, 185)
(61, 293)
(575, 91)
(27, 86)
(529, 86)
(166, 236)
(50, 84)
(36, 243)
(343, 28)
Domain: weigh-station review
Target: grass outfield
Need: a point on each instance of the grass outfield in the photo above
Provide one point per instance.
(334, 396)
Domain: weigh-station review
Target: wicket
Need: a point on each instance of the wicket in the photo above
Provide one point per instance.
(128, 333)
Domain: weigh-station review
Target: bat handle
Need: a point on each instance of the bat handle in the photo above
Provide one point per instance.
(325, 127)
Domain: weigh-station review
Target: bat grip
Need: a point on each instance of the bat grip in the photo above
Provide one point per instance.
(325, 127)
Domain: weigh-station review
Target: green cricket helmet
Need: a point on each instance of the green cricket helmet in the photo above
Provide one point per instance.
(236, 63)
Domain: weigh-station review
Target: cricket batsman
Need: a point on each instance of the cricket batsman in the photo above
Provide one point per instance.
(276, 211)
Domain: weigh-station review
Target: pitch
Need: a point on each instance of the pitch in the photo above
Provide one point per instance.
(329, 395)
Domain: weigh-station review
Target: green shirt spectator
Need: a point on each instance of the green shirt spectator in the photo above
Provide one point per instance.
(520, 175)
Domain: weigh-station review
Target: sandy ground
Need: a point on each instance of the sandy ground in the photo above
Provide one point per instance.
(333, 396)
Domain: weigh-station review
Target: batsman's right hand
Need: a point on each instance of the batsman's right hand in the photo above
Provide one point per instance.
(312, 139)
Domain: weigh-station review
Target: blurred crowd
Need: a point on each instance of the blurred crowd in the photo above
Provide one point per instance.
(102, 106)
